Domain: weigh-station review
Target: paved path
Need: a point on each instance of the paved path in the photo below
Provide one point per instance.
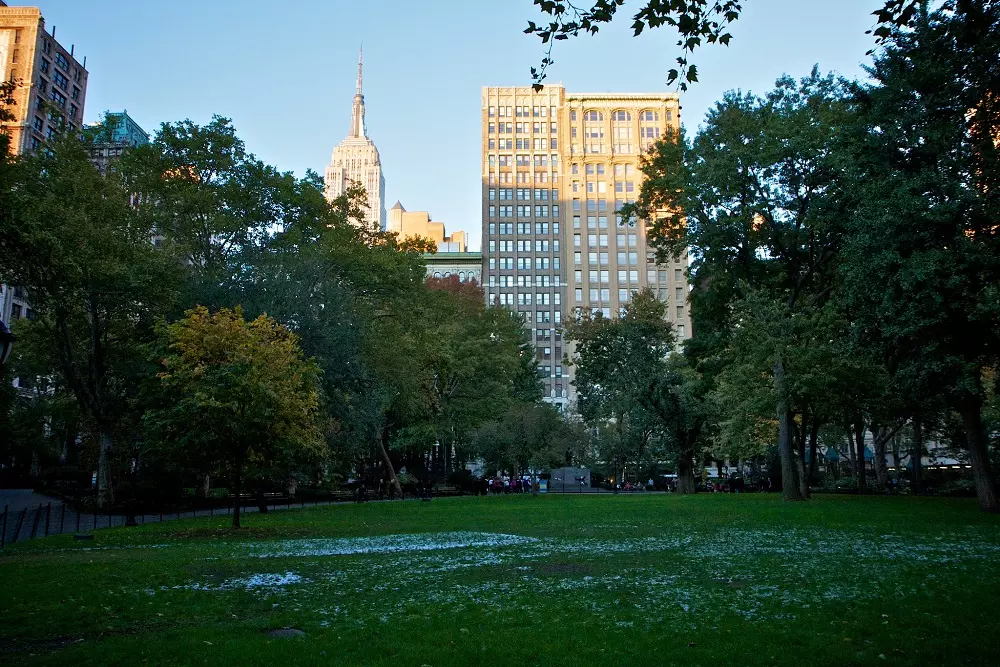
(18, 499)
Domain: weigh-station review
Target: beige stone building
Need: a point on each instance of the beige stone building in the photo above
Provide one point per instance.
(452, 257)
(418, 224)
(49, 97)
(356, 160)
(466, 266)
(556, 167)
(52, 84)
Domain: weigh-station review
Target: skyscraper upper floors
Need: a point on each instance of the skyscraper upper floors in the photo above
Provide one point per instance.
(51, 83)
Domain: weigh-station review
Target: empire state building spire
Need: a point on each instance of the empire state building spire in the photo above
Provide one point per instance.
(358, 128)
(355, 161)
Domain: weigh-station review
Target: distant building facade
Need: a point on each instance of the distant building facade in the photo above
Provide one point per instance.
(48, 100)
(418, 224)
(452, 257)
(356, 159)
(120, 132)
(556, 167)
(52, 84)
(467, 266)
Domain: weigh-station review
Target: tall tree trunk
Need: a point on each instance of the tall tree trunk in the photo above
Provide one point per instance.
(896, 456)
(917, 453)
(859, 459)
(205, 486)
(237, 490)
(850, 448)
(789, 479)
(685, 474)
(800, 460)
(105, 491)
(813, 446)
(976, 443)
(393, 480)
(878, 449)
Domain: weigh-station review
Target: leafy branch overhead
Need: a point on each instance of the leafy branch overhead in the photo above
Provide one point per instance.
(697, 22)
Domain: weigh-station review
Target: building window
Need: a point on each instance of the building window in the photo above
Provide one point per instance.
(62, 62)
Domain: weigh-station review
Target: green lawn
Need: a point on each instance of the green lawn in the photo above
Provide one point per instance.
(582, 580)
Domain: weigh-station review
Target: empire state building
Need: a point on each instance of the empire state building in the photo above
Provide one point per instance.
(356, 159)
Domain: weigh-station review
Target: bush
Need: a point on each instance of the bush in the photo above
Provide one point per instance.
(957, 487)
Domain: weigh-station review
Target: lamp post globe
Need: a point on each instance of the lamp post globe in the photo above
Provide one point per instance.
(6, 342)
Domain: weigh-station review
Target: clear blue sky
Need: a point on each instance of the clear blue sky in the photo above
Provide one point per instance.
(285, 71)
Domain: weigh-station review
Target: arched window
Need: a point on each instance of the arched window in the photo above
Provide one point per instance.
(437, 274)
(649, 128)
(621, 132)
(461, 276)
(447, 274)
(593, 132)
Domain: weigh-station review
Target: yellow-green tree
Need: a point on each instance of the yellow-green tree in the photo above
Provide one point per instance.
(236, 395)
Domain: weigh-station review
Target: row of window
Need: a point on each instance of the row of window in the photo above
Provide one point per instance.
(507, 228)
(540, 280)
(524, 211)
(541, 245)
(526, 177)
(599, 222)
(624, 294)
(601, 258)
(528, 299)
(601, 187)
(522, 160)
(537, 143)
(462, 275)
(523, 263)
(620, 134)
(599, 169)
(601, 240)
(521, 128)
(522, 194)
(522, 112)
(621, 116)
(624, 275)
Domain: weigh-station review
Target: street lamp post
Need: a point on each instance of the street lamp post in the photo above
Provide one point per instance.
(6, 342)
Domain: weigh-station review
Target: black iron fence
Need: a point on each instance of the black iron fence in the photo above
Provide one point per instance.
(55, 518)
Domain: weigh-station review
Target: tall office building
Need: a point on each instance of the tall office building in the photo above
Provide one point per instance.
(556, 168)
(51, 83)
(48, 99)
(356, 159)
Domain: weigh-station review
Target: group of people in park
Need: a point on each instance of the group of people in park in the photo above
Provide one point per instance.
(494, 486)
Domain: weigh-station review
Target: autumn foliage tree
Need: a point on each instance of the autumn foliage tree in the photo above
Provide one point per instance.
(236, 394)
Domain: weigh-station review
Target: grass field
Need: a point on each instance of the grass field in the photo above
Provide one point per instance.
(583, 580)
